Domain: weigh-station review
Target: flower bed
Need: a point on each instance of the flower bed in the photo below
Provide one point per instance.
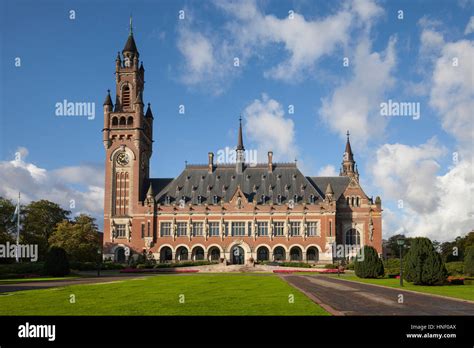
(455, 281)
(325, 271)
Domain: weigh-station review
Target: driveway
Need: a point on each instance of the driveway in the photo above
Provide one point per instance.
(352, 298)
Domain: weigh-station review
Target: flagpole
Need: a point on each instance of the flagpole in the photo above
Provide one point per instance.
(18, 229)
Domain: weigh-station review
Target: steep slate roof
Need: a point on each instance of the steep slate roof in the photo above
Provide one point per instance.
(195, 180)
(338, 184)
(157, 184)
(130, 45)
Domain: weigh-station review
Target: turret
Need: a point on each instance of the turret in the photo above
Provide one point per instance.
(349, 168)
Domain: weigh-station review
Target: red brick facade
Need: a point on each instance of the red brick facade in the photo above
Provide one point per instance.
(234, 221)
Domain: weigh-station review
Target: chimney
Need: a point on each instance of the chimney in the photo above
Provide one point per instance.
(270, 161)
(211, 162)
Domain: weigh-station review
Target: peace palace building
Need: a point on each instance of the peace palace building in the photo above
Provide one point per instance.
(229, 213)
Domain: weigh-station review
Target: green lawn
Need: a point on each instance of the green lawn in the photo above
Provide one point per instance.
(160, 295)
(465, 292)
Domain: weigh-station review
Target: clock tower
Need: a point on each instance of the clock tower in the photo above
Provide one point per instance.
(127, 138)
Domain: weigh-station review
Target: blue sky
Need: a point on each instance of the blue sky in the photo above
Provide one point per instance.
(283, 61)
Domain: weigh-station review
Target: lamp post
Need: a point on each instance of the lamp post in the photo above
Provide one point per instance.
(99, 261)
(401, 243)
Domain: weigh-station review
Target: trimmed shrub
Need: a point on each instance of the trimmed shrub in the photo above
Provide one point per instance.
(295, 264)
(392, 263)
(422, 264)
(56, 263)
(330, 266)
(455, 268)
(17, 269)
(469, 261)
(371, 266)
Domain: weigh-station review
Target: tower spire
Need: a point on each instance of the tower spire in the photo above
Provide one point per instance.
(240, 142)
(349, 167)
(131, 26)
(240, 150)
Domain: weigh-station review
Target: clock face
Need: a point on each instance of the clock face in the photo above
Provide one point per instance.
(122, 159)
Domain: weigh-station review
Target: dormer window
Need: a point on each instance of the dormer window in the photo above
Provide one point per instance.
(214, 200)
(263, 199)
(311, 199)
(199, 199)
(167, 200)
(279, 199)
(295, 198)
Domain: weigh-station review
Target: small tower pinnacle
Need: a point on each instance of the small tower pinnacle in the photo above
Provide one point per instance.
(348, 163)
(240, 149)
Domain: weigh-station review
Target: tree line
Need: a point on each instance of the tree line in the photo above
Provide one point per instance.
(47, 225)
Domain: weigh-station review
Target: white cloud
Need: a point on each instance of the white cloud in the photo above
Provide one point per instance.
(452, 92)
(469, 27)
(267, 126)
(434, 205)
(431, 41)
(59, 186)
(209, 55)
(328, 170)
(198, 53)
(354, 105)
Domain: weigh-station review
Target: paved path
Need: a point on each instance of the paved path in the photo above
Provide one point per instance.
(351, 298)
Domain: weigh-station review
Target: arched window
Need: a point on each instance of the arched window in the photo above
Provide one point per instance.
(352, 201)
(126, 97)
(348, 199)
(123, 121)
(358, 201)
(130, 121)
(262, 254)
(214, 254)
(312, 254)
(295, 254)
(182, 254)
(198, 253)
(279, 254)
(352, 237)
(166, 254)
(114, 121)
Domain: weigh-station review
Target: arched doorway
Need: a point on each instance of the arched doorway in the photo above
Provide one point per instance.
(279, 254)
(312, 254)
(295, 254)
(166, 255)
(198, 253)
(182, 254)
(263, 254)
(120, 255)
(214, 254)
(238, 255)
